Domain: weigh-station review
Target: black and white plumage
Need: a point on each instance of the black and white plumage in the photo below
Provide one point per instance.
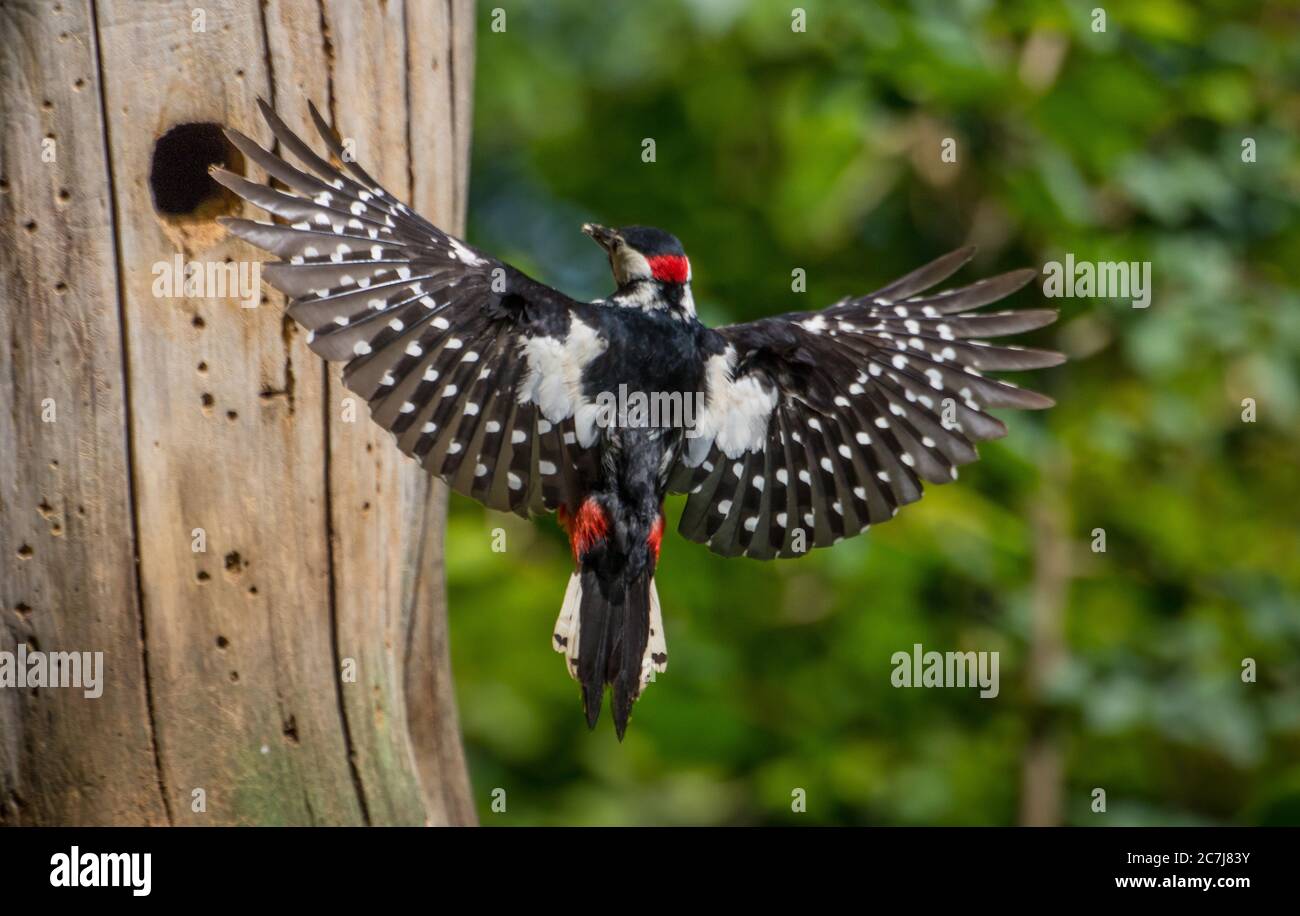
(839, 415)
(809, 427)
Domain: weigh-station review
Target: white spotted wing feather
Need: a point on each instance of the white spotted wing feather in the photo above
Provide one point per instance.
(817, 426)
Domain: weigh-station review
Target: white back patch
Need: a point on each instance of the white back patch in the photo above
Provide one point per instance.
(554, 378)
(737, 413)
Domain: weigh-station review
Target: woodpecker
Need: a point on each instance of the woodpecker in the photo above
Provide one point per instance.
(807, 427)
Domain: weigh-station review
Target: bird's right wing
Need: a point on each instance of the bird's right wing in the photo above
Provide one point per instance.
(471, 365)
(826, 422)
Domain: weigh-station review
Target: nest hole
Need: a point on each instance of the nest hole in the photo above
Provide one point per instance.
(182, 189)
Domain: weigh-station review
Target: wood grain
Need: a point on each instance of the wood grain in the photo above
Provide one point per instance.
(67, 542)
(323, 545)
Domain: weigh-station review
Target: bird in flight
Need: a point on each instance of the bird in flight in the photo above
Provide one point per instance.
(786, 433)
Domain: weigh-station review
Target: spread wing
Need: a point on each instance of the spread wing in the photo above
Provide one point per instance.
(827, 422)
(471, 365)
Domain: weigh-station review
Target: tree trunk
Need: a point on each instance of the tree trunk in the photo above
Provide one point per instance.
(1042, 784)
(183, 489)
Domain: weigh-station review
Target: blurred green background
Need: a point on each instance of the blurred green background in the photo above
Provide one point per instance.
(820, 150)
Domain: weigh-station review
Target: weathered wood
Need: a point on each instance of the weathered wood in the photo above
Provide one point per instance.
(322, 544)
(67, 576)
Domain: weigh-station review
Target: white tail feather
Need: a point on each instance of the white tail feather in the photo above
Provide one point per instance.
(567, 626)
(655, 660)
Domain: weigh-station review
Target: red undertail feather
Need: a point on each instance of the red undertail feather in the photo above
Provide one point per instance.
(586, 528)
(656, 537)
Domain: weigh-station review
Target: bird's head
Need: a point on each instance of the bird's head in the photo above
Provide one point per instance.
(648, 264)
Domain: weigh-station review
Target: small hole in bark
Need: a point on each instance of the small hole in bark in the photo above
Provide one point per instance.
(202, 576)
(25, 552)
(178, 176)
(222, 642)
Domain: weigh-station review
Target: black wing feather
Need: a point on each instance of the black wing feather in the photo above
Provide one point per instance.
(850, 409)
(434, 333)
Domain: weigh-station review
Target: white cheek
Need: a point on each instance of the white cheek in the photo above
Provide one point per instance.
(630, 265)
(688, 301)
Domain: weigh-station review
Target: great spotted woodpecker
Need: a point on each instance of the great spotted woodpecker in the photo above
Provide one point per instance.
(808, 427)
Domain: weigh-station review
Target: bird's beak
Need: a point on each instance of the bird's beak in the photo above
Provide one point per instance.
(603, 237)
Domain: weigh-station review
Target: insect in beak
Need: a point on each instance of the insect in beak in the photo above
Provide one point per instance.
(605, 238)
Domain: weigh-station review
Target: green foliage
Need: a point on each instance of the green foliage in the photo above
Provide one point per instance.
(779, 150)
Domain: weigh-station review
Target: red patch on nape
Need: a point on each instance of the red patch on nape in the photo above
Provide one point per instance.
(656, 536)
(586, 528)
(670, 268)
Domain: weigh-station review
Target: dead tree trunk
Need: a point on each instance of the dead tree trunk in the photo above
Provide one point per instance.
(181, 489)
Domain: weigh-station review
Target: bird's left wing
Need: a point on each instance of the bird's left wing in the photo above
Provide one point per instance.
(470, 364)
(827, 422)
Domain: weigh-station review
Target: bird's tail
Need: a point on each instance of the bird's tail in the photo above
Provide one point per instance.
(611, 634)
